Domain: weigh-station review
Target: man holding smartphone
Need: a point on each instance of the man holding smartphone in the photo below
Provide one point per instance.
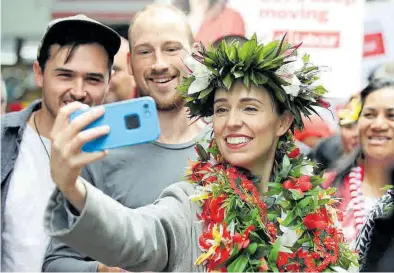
(74, 63)
(160, 39)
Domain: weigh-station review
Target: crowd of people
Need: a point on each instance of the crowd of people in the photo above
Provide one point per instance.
(243, 176)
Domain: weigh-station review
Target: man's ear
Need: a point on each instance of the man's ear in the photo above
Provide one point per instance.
(285, 122)
(129, 66)
(38, 74)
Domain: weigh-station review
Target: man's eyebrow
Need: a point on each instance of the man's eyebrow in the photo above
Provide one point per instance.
(142, 45)
(90, 74)
(98, 75)
(64, 70)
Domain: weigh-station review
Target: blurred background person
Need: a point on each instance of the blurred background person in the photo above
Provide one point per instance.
(328, 151)
(361, 177)
(348, 117)
(122, 84)
(211, 19)
(316, 129)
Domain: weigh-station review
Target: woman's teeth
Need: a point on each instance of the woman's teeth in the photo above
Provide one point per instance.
(163, 80)
(237, 140)
(378, 140)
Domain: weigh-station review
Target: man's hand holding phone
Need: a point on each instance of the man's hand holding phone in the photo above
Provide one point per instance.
(67, 159)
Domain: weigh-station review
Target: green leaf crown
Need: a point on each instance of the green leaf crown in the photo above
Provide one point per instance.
(253, 63)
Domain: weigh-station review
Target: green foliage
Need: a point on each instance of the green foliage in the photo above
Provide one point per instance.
(255, 64)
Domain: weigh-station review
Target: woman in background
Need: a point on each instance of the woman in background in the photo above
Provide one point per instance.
(362, 179)
(211, 19)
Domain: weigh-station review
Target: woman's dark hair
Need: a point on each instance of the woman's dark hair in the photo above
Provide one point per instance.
(375, 85)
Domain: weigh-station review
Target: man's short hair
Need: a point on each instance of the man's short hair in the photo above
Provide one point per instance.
(158, 6)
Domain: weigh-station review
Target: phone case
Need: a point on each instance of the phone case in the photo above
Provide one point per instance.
(131, 122)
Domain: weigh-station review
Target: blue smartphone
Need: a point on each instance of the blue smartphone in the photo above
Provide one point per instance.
(131, 122)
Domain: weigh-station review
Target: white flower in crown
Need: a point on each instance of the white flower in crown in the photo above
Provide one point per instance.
(307, 170)
(201, 73)
(287, 73)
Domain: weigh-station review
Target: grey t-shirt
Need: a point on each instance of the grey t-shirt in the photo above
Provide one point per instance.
(134, 176)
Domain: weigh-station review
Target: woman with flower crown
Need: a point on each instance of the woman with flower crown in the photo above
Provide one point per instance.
(250, 203)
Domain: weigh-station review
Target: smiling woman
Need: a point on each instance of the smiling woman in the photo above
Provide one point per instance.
(363, 179)
(247, 127)
(250, 203)
(376, 129)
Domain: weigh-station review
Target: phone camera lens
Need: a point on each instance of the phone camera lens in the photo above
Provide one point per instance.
(146, 106)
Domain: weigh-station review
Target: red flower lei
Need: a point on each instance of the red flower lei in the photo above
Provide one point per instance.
(243, 233)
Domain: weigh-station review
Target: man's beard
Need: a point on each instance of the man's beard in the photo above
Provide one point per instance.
(175, 103)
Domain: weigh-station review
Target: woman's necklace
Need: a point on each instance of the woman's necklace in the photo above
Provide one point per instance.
(39, 135)
(357, 202)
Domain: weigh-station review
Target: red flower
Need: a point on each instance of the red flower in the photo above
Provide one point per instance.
(307, 257)
(200, 169)
(283, 259)
(315, 255)
(288, 184)
(247, 185)
(295, 153)
(203, 240)
(271, 229)
(323, 103)
(293, 267)
(213, 210)
(318, 220)
(222, 254)
(211, 179)
(303, 183)
(243, 240)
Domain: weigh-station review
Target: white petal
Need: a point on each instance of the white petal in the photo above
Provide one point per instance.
(295, 80)
(284, 229)
(338, 269)
(191, 63)
(289, 238)
(198, 85)
(292, 90)
(307, 170)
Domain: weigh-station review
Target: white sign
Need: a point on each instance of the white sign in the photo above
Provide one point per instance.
(379, 36)
(331, 32)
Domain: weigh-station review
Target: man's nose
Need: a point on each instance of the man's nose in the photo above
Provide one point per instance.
(160, 65)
